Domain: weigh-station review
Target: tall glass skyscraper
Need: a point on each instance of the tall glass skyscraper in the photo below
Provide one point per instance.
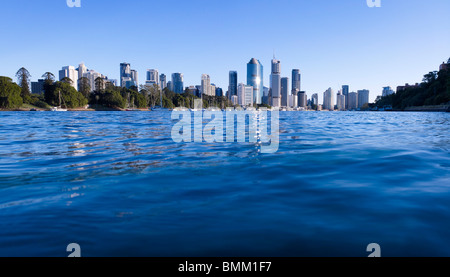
(178, 82)
(345, 92)
(255, 79)
(163, 81)
(233, 84)
(275, 83)
(296, 81)
(285, 92)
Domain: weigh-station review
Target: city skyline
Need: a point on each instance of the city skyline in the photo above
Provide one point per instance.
(333, 44)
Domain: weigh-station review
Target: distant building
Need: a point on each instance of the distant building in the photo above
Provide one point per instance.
(340, 101)
(178, 82)
(38, 87)
(387, 91)
(285, 95)
(328, 100)
(315, 99)
(444, 66)
(192, 90)
(234, 100)
(163, 81)
(265, 98)
(255, 79)
(233, 84)
(296, 81)
(406, 86)
(245, 95)
(169, 85)
(206, 85)
(219, 92)
(152, 77)
(135, 78)
(92, 75)
(363, 97)
(275, 83)
(302, 99)
(352, 101)
(345, 92)
(71, 73)
(126, 76)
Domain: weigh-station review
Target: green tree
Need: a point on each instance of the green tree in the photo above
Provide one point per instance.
(84, 87)
(99, 84)
(67, 80)
(9, 94)
(23, 79)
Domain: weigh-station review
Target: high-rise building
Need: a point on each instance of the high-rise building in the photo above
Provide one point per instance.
(352, 101)
(38, 87)
(363, 97)
(296, 81)
(328, 100)
(219, 92)
(340, 101)
(152, 77)
(315, 99)
(169, 85)
(285, 101)
(81, 70)
(71, 73)
(245, 95)
(206, 85)
(265, 98)
(255, 79)
(92, 75)
(178, 82)
(345, 91)
(387, 91)
(163, 81)
(302, 99)
(233, 83)
(275, 82)
(128, 77)
(212, 90)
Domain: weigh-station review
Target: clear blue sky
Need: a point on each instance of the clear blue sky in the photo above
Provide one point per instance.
(332, 42)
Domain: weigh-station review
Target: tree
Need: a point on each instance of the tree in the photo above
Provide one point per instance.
(9, 94)
(49, 78)
(23, 79)
(84, 86)
(153, 93)
(99, 84)
(430, 77)
(67, 80)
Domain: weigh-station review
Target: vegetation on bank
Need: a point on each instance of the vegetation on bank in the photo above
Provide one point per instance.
(434, 90)
(104, 96)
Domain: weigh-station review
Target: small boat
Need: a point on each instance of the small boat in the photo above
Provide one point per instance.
(59, 108)
(33, 110)
(132, 110)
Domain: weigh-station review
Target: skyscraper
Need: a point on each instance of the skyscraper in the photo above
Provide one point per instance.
(275, 82)
(245, 95)
(255, 79)
(285, 101)
(233, 83)
(206, 85)
(128, 77)
(387, 91)
(340, 101)
(71, 73)
(178, 82)
(296, 81)
(302, 99)
(163, 81)
(328, 100)
(363, 97)
(315, 99)
(345, 91)
(352, 101)
(135, 77)
(152, 77)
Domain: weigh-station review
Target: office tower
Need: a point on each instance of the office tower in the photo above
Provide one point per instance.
(296, 81)
(233, 83)
(352, 101)
(135, 77)
(125, 74)
(81, 70)
(38, 87)
(387, 91)
(206, 85)
(345, 91)
(152, 77)
(71, 73)
(245, 95)
(363, 97)
(212, 90)
(178, 82)
(285, 101)
(340, 101)
(199, 90)
(91, 75)
(234, 100)
(315, 99)
(302, 99)
(265, 98)
(169, 85)
(275, 82)
(219, 92)
(255, 79)
(328, 100)
(163, 81)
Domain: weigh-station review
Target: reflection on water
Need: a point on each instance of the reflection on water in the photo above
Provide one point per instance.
(118, 185)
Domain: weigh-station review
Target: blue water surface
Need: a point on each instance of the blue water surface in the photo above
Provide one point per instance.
(117, 184)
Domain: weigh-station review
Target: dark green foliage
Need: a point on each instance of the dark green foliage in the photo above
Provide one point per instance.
(23, 79)
(434, 90)
(9, 94)
(70, 96)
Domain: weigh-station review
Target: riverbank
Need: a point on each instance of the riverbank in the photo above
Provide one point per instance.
(441, 108)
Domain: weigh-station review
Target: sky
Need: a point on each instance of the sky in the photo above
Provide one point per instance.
(332, 42)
